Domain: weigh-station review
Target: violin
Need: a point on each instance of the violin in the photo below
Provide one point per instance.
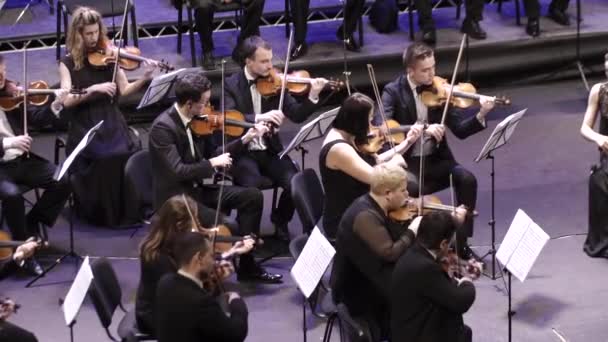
(429, 202)
(378, 136)
(38, 93)
(297, 83)
(210, 121)
(129, 58)
(464, 95)
(457, 268)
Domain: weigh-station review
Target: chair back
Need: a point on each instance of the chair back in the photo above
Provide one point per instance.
(138, 178)
(105, 292)
(308, 198)
(353, 330)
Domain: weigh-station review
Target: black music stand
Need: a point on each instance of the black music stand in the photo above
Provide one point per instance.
(160, 87)
(313, 130)
(72, 302)
(59, 173)
(499, 137)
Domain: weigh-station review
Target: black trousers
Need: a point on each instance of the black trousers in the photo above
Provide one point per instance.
(532, 7)
(437, 177)
(13, 333)
(32, 171)
(248, 203)
(205, 9)
(299, 15)
(251, 168)
(352, 12)
(473, 8)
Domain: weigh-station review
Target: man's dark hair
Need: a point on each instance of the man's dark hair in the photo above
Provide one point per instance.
(434, 228)
(353, 116)
(251, 45)
(191, 87)
(186, 245)
(416, 52)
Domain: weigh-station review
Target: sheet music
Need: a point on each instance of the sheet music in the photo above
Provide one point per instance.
(319, 125)
(522, 245)
(312, 262)
(78, 291)
(501, 134)
(81, 145)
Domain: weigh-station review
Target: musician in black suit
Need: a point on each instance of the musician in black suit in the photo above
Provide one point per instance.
(185, 310)
(470, 25)
(20, 166)
(557, 12)
(260, 156)
(427, 305)
(182, 160)
(403, 103)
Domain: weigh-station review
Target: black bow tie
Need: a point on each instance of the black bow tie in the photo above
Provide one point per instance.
(250, 82)
(421, 88)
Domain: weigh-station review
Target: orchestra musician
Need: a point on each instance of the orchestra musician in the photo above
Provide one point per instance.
(596, 243)
(10, 332)
(188, 312)
(403, 102)
(178, 215)
(470, 25)
(20, 166)
(426, 304)
(181, 161)
(260, 157)
(557, 12)
(99, 169)
(344, 166)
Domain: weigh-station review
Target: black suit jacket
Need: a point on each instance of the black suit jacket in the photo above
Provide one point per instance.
(427, 305)
(174, 169)
(238, 97)
(399, 104)
(36, 116)
(187, 313)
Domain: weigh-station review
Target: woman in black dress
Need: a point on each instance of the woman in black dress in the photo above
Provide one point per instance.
(596, 244)
(98, 181)
(345, 170)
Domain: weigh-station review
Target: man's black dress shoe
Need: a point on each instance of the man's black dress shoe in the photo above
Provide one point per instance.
(559, 17)
(533, 27)
(32, 267)
(259, 274)
(208, 61)
(349, 42)
(298, 51)
(473, 29)
(429, 37)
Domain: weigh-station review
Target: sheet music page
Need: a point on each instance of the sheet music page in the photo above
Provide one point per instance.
(312, 262)
(493, 141)
(522, 245)
(81, 145)
(78, 291)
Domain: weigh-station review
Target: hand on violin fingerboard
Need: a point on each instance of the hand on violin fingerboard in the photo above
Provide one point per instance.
(487, 104)
(316, 86)
(149, 67)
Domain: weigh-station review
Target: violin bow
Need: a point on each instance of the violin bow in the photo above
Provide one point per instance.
(223, 173)
(120, 40)
(285, 68)
(25, 85)
(454, 72)
(372, 78)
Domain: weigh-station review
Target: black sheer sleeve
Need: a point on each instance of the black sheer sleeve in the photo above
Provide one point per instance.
(370, 227)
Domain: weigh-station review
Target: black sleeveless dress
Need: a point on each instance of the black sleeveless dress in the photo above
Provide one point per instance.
(98, 171)
(596, 244)
(341, 189)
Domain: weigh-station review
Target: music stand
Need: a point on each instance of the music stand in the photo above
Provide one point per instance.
(76, 295)
(59, 173)
(160, 87)
(313, 130)
(499, 137)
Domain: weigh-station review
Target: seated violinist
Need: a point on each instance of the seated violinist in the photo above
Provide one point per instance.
(9, 331)
(177, 216)
(260, 157)
(426, 304)
(368, 245)
(188, 312)
(181, 160)
(19, 166)
(403, 102)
